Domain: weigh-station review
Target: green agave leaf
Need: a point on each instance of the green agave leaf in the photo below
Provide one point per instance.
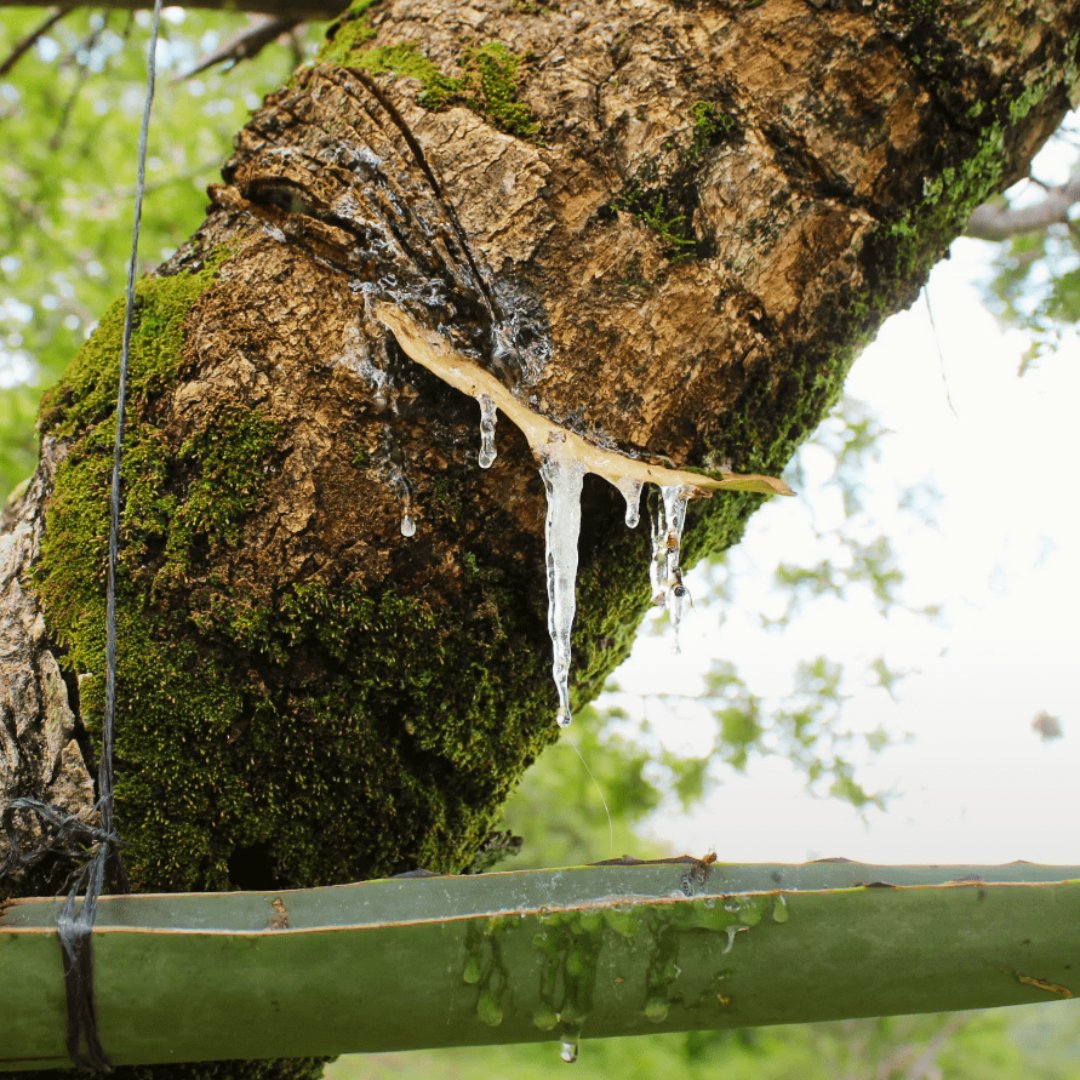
(613, 949)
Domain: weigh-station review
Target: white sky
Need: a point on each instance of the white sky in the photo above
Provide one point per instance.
(974, 783)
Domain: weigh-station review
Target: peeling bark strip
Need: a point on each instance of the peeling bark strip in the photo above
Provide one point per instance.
(717, 209)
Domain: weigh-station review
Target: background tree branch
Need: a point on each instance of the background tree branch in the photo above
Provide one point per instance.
(997, 220)
(319, 9)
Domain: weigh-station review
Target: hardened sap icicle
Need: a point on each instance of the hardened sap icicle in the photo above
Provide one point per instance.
(488, 416)
(665, 574)
(631, 492)
(565, 455)
(658, 562)
(675, 500)
(562, 476)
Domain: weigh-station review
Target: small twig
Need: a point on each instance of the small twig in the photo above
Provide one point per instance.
(246, 45)
(57, 136)
(31, 39)
(82, 74)
(993, 221)
(296, 44)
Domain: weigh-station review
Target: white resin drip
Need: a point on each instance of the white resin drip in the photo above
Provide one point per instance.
(408, 524)
(488, 416)
(631, 492)
(562, 475)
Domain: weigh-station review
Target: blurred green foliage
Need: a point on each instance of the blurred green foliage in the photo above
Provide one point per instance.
(69, 114)
(1035, 283)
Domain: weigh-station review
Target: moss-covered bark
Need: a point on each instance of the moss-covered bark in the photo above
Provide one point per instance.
(671, 228)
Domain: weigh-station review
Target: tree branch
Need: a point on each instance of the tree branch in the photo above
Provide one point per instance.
(247, 44)
(318, 9)
(995, 221)
(27, 43)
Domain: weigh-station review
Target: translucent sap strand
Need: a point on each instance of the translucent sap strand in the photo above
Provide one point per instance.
(562, 481)
(631, 492)
(396, 480)
(658, 562)
(488, 416)
(675, 500)
(675, 603)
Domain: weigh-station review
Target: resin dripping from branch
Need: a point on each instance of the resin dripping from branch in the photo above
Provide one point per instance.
(564, 459)
(396, 479)
(563, 476)
(630, 489)
(435, 352)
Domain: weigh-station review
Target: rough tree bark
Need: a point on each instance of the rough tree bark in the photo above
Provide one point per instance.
(669, 226)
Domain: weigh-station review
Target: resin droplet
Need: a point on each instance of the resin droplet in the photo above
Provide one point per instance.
(731, 932)
(488, 415)
(631, 492)
(656, 1008)
(408, 525)
(568, 1051)
(562, 476)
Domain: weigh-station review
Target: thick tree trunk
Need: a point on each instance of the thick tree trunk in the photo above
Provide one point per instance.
(668, 227)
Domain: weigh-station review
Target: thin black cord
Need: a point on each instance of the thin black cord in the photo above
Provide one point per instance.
(76, 921)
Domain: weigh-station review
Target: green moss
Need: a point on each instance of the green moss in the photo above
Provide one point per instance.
(948, 201)
(87, 392)
(711, 127)
(919, 12)
(347, 33)
(224, 463)
(258, 721)
(663, 193)
(488, 83)
(407, 61)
